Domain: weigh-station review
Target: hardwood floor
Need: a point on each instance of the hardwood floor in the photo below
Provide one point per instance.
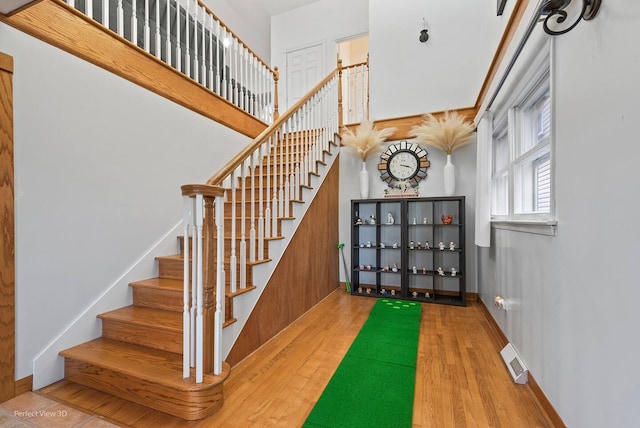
(461, 380)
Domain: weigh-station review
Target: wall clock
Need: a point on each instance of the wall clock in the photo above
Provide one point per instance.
(402, 166)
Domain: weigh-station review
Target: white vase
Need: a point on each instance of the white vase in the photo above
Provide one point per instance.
(449, 177)
(364, 181)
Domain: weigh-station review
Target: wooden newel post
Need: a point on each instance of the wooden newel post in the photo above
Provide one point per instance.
(209, 283)
(340, 121)
(276, 77)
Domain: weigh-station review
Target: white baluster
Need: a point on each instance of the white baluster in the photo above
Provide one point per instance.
(243, 228)
(261, 231)
(218, 58)
(72, 3)
(147, 30)
(196, 60)
(233, 257)
(274, 205)
(120, 19)
(168, 24)
(187, 42)
(220, 289)
(203, 62)
(187, 204)
(157, 36)
(212, 85)
(252, 231)
(285, 162)
(267, 193)
(134, 23)
(105, 13)
(89, 7)
(178, 41)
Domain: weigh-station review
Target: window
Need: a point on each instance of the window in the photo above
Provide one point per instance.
(522, 180)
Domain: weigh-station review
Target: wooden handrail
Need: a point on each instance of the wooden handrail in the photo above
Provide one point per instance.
(237, 160)
(356, 65)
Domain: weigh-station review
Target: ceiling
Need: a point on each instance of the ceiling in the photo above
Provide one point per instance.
(268, 7)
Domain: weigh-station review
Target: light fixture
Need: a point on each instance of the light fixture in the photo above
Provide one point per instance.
(424, 33)
(554, 11)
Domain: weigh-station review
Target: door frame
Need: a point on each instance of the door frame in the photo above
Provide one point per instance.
(7, 230)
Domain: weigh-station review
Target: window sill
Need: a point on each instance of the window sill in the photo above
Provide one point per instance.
(547, 228)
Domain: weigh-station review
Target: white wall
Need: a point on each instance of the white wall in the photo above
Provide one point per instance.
(573, 297)
(322, 22)
(408, 77)
(99, 163)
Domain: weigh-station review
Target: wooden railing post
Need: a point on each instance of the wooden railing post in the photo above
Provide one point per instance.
(276, 77)
(340, 120)
(209, 283)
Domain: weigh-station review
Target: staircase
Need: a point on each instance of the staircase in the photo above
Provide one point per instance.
(139, 355)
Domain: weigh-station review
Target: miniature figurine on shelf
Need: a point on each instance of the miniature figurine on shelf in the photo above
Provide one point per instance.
(395, 245)
(359, 289)
(441, 245)
(414, 294)
(368, 291)
(415, 221)
(426, 294)
(368, 244)
(426, 246)
(454, 271)
(415, 269)
(393, 292)
(382, 245)
(411, 245)
(395, 267)
(419, 245)
(425, 221)
(358, 219)
(385, 269)
(440, 271)
(447, 220)
(390, 219)
(373, 220)
(361, 267)
(383, 291)
(424, 270)
(452, 246)
(368, 267)
(361, 245)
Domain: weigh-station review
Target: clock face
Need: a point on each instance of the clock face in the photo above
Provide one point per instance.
(403, 164)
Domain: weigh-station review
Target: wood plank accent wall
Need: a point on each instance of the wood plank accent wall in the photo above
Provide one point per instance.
(58, 24)
(307, 272)
(7, 233)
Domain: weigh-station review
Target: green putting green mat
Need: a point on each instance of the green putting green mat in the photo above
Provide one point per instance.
(374, 384)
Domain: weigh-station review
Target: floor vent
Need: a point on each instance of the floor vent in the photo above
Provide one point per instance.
(514, 363)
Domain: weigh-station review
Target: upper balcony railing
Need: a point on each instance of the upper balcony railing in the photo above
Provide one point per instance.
(355, 93)
(186, 35)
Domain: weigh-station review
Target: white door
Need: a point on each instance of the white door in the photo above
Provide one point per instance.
(304, 71)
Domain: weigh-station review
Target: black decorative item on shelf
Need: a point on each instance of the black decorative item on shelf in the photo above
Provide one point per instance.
(417, 253)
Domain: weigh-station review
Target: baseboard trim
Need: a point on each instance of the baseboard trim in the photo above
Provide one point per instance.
(545, 406)
(24, 385)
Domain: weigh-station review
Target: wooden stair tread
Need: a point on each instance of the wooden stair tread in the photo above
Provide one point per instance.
(179, 257)
(144, 316)
(160, 283)
(154, 365)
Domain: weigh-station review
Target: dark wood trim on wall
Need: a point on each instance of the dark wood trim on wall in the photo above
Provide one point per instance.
(307, 272)
(500, 340)
(60, 25)
(7, 232)
(24, 385)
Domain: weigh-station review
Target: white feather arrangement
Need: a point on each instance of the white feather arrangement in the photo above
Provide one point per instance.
(366, 140)
(448, 133)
